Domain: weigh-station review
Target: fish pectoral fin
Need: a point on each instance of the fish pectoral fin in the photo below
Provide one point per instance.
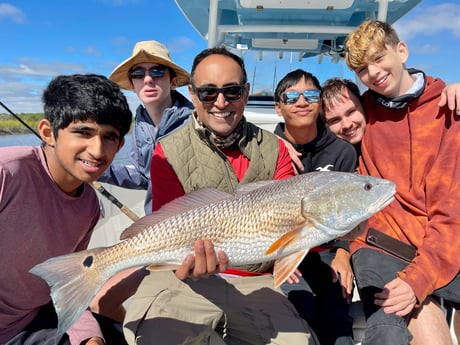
(284, 240)
(285, 266)
(166, 267)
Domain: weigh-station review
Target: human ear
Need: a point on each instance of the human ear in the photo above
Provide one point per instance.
(403, 51)
(192, 94)
(246, 92)
(46, 132)
(174, 82)
(122, 143)
(278, 109)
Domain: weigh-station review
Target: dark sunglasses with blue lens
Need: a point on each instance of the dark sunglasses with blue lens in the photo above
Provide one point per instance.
(140, 72)
(291, 97)
(209, 94)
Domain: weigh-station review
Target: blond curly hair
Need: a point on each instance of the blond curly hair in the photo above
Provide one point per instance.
(371, 33)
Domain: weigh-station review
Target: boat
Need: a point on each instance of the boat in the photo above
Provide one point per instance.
(305, 27)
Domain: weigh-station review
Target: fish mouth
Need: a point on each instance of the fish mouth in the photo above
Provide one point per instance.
(346, 227)
(384, 202)
(350, 230)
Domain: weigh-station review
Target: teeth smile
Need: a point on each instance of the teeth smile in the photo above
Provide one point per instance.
(222, 115)
(349, 133)
(381, 81)
(92, 164)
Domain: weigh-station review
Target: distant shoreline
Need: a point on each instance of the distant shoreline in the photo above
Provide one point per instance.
(9, 125)
(14, 130)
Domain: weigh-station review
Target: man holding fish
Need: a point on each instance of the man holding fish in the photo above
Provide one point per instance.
(225, 180)
(216, 138)
(217, 149)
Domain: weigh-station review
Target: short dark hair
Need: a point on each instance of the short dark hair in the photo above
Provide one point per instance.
(333, 88)
(217, 51)
(293, 78)
(86, 97)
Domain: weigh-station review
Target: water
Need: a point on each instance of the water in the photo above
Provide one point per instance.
(32, 139)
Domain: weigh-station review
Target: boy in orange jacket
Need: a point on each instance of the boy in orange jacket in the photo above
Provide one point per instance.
(413, 142)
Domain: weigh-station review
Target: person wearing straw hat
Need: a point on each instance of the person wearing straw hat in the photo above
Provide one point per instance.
(154, 77)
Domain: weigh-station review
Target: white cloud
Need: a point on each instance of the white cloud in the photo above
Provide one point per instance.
(32, 67)
(120, 41)
(92, 50)
(11, 12)
(430, 21)
(421, 49)
(23, 82)
(120, 2)
(180, 44)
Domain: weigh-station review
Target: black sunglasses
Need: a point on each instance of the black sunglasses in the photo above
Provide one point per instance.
(209, 94)
(291, 97)
(154, 72)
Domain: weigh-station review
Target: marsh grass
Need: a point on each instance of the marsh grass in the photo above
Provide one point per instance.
(10, 125)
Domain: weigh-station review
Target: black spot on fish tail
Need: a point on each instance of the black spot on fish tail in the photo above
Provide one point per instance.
(88, 262)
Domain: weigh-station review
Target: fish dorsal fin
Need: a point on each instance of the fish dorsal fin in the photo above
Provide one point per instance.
(179, 205)
(286, 239)
(285, 266)
(190, 201)
(249, 187)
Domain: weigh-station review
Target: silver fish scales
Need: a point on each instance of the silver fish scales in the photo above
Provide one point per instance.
(264, 221)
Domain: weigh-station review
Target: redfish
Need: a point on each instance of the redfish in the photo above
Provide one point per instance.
(263, 221)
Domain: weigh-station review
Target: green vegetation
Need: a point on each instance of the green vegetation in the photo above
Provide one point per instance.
(10, 125)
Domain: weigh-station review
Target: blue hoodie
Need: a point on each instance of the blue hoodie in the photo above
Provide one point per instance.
(145, 137)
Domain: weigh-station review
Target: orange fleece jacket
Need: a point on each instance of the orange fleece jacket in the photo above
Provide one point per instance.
(418, 148)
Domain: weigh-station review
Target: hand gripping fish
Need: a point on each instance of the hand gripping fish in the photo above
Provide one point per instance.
(263, 221)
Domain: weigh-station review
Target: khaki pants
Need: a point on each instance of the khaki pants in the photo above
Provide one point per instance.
(241, 310)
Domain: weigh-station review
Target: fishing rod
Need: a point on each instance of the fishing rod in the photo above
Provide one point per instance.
(20, 120)
(126, 210)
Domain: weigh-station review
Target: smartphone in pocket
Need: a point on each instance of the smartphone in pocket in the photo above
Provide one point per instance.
(391, 245)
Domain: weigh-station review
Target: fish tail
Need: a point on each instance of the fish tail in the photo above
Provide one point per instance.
(74, 281)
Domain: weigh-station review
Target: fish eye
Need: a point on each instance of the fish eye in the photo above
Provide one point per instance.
(368, 186)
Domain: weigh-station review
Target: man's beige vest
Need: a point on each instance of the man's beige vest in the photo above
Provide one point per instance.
(198, 163)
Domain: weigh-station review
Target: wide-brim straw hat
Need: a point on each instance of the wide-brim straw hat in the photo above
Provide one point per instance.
(147, 51)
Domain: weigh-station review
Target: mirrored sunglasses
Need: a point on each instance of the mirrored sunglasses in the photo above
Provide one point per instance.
(154, 72)
(291, 97)
(209, 94)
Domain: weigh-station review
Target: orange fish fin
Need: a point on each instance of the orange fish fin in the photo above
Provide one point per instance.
(284, 240)
(163, 267)
(284, 267)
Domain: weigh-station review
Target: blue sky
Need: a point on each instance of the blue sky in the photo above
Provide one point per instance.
(41, 39)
